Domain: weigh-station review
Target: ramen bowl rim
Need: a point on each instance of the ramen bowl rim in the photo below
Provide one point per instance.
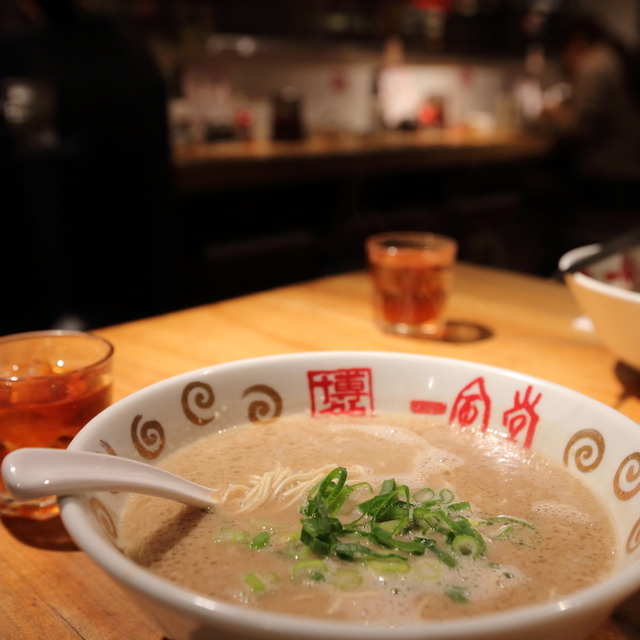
(78, 521)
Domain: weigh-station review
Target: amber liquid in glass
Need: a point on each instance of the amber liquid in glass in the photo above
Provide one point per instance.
(411, 292)
(48, 412)
(411, 295)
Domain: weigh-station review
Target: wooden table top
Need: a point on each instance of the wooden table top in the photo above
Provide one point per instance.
(50, 589)
(228, 164)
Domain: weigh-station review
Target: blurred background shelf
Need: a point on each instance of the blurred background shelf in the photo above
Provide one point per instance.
(201, 166)
(144, 169)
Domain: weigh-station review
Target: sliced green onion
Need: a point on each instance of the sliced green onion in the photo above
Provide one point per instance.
(446, 496)
(255, 583)
(468, 545)
(388, 565)
(424, 494)
(281, 538)
(313, 570)
(448, 559)
(357, 551)
(296, 550)
(384, 538)
(231, 536)
(260, 541)
(427, 570)
(457, 594)
(346, 579)
(459, 506)
(393, 526)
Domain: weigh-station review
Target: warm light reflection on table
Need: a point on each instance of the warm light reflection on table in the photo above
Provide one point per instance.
(498, 318)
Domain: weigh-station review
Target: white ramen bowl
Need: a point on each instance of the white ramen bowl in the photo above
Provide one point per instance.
(608, 292)
(593, 441)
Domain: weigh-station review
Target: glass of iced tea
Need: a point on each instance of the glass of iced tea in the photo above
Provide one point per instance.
(412, 275)
(51, 384)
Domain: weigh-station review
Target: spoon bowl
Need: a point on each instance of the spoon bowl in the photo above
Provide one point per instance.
(36, 472)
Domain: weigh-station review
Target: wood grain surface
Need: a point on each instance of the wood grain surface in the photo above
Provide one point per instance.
(49, 589)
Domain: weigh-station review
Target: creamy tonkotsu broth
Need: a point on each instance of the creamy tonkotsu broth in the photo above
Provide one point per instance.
(247, 551)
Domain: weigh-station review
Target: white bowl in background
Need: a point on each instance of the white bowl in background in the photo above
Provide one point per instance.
(605, 293)
(592, 440)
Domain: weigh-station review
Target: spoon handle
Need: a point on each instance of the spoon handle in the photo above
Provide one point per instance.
(31, 473)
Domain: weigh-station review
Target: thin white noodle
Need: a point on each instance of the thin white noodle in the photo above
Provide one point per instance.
(280, 484)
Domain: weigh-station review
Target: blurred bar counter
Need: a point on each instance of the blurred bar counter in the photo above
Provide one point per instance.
(301, 209)
(209, 166)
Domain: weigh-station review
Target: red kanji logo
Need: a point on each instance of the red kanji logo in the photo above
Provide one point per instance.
(428, 407)
(341, 392)
(472, 406)
(522, 416)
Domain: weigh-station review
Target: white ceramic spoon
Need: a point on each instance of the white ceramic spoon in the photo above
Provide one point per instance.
(32, 473)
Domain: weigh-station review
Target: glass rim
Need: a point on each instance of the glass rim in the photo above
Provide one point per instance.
(425, 239)
(54, 333)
